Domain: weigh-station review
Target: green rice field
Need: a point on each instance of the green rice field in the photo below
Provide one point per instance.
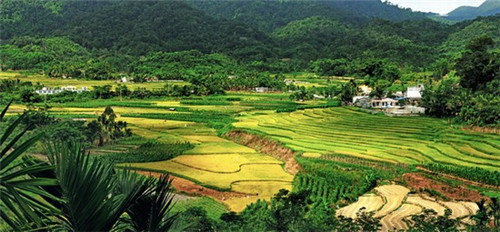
(408, 140)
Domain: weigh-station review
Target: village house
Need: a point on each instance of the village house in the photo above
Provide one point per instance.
(50, 91)
(384, 103)
(413, 94)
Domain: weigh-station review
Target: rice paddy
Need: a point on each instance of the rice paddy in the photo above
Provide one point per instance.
(394, 206)
(408, 140)
(58, 82)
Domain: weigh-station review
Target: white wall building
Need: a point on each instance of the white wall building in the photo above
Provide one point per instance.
(414, 92)
(49, 91)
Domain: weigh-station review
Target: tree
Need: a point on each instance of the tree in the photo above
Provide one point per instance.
(428, 220)
(477, 66)
(348, 91)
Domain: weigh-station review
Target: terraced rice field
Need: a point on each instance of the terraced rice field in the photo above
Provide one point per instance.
(214, 162)
(370, 203)
(394, 207)
(409, 140)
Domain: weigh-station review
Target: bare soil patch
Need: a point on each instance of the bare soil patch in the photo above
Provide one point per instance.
(418, 183)
(268, 147)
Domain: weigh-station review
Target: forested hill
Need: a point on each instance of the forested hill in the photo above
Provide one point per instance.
(273, 35)
(269, 15)
(490, 7)
(133, 27)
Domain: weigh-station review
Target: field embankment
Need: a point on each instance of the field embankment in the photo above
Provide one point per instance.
(266, 146)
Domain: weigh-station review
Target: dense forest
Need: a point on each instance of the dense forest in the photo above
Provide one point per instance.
(276, 36)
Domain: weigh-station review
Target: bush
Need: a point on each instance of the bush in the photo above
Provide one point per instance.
(150, 152)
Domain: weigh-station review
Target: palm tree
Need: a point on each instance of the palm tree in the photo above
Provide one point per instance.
(95, 195)
(19, 206)
(152, 210)
(75, 191)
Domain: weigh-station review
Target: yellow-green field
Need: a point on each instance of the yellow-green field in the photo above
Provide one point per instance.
(410, 140)
(214, 162)
(59, 82)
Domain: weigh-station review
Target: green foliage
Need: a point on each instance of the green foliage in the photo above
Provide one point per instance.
(196, 219)
(19, 209)
(327, 181)
(477, 66)
(348, 91)
(444, 99)
(149, 152)
(329, 67)
(182, 65)
(428, 220)
(470, 173)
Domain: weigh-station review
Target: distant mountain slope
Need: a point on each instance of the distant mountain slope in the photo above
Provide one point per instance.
(490, 7)
(467, 30)
(134, 27)
(268, 15)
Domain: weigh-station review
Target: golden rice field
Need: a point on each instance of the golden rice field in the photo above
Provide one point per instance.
(394, 206)
(213, 162)
(409, 140)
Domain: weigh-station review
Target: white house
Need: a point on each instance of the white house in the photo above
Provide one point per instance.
(49, 91)
(384, 103)
(414, 92)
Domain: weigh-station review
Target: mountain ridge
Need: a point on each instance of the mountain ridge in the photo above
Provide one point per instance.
(488, 8)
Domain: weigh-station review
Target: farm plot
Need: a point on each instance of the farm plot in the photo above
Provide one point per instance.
(393, 196)
(397, 207)
(395, 220)
(427, 204)
(370, 202)
(409, 140)
(213, 162)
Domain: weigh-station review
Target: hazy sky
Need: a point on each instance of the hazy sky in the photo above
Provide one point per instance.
(436, 6)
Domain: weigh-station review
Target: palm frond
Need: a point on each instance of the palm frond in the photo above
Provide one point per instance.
(152, 210)
(89, 187)
(4, 111)
(19, 209)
